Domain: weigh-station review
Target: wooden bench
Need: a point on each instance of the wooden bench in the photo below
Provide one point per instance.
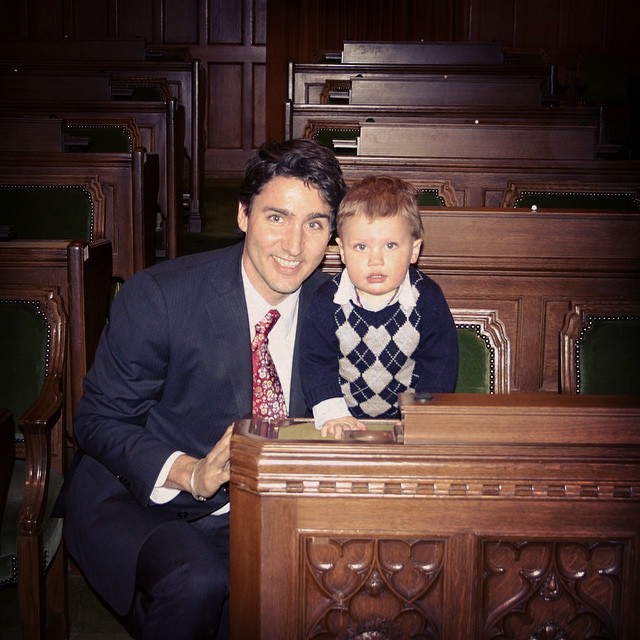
(450, 88)
(482, 140)
(117, 193)
(186, 81)
(73, 49)
(527, 269)
(82, 272)
(551, 196)
(427, 53)
(479, 182)
(17, 87)
(303, 119)
(312, 83)
(157, 126)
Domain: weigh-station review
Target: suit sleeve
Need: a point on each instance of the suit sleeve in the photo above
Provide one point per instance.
(124, 384)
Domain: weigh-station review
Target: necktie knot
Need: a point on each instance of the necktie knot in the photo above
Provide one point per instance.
(266, 324)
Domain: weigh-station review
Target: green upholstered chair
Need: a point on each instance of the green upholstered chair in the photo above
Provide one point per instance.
(342, 140)
(600, 348)
(571, 199)
(335, 91)
(32, 556)
(47, 211)
(140, 89)
(98, 138)
(430, 197)
(484, 352)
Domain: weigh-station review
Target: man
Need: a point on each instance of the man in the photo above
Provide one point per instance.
(146, 507)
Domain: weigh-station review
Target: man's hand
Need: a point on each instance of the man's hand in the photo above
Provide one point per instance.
(213, 470)
(205, 476)
(338, 426)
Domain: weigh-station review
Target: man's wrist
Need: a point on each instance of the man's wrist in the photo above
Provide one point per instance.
(192, 481)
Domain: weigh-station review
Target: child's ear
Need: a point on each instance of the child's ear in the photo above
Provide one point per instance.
(415, 250)
(341, 248)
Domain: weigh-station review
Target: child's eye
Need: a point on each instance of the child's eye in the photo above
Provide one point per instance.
(360, 246)
(392, 245)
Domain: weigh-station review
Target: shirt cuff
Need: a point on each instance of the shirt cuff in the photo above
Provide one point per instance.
(161, 494)
(329, 410)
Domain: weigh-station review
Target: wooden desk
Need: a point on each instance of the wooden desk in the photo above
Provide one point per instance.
(489, 516)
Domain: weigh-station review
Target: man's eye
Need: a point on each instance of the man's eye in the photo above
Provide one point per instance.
(315, 224)
(275, 217)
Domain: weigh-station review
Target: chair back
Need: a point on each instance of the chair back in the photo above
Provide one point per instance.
(598, 200)
(600, 348)
(47, 211)
(33, 347)
(97, 138)
(24, 345)
(484, 352)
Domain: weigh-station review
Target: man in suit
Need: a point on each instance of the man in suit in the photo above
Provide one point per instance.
(146, 506)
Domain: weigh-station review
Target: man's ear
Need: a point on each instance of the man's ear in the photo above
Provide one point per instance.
(415, 250)
(242, 217)
(341, 249)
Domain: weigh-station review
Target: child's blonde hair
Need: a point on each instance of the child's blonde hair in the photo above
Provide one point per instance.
(382, 197)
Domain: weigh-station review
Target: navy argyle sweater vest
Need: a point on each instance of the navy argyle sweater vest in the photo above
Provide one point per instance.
(376, 360)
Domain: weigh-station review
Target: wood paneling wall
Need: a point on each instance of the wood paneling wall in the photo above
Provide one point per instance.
(229, 36)
(245, 45)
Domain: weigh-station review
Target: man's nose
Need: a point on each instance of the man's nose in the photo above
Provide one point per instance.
(293, 240)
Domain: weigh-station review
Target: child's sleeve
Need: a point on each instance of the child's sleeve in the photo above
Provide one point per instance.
(319, 352)
(437, 357)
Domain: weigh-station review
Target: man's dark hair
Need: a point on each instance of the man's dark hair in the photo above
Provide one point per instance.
(307, 160)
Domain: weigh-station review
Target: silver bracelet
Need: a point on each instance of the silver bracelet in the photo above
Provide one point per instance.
(197, 497)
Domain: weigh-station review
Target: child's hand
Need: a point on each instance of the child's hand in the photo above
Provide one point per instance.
(338, 426)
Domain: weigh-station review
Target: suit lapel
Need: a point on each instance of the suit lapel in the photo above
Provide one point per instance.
(228, 313)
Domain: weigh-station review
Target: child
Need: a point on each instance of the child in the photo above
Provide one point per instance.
(380, 327)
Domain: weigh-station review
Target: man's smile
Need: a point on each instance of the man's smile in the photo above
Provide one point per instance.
(287, 264)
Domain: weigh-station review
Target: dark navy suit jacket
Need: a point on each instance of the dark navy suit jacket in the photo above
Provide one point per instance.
(172, 372)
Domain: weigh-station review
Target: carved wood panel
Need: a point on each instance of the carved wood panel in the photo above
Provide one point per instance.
(370, 588)
(551, 590)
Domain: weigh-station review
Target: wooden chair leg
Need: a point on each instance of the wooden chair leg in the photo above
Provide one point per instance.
(57, 596)
(43, 601)
(31, 589)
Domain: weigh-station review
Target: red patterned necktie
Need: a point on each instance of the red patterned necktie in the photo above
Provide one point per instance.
(268, 398)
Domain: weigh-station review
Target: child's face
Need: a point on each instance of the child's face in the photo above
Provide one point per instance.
(377, 253)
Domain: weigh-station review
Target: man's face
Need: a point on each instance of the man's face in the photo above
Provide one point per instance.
(287, 233)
